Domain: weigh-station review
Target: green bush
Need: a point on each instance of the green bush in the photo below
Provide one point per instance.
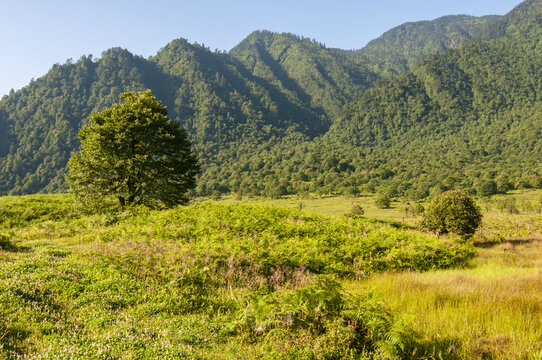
(332, 324)
(5, 242)
(383, 201)
(357, 210)
(453, 212)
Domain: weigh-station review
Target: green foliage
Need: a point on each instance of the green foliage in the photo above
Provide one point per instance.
(357, 210)
(441, 123)
(402, 47)
(133, 153)
(453, 211)
(383, 201)
(5, 242)
(338, 325)
(486, 187)
(281, 114)
(201, 281)
(18, 211)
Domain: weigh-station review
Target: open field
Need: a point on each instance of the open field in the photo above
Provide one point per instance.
(525, 219)
(491, 309)
(227, 280)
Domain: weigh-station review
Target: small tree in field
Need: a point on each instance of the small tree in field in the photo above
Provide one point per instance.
(133, 153)
(383, 201)
(453, 211)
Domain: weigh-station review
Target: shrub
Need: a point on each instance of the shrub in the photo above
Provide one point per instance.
(5, 242)
(453, 211)
(321, 321)
(357, 210)
(383, 201)
(486, 187)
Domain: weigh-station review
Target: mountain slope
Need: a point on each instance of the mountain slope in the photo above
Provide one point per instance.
(307, 72)
(473, 113)
(468, 118)
(525, 13)
(44, 117)
(281, 114)
(402, 47)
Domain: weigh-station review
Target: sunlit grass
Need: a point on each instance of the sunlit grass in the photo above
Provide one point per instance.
(497, 221)
(492, 310)
(167, 284)
(209, 280)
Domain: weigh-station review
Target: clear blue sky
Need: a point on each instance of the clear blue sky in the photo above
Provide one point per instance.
(35, 34)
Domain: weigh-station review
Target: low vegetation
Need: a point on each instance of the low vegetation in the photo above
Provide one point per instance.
(227, 280)
(203, 281)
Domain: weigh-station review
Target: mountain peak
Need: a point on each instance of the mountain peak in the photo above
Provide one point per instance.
(517, 20)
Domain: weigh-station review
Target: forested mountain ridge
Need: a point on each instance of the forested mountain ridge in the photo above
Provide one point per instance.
(308, 72)
(470, 116)
(521, 16)
(402, 47)
(282, 114)
(214, 98)
(44, 117)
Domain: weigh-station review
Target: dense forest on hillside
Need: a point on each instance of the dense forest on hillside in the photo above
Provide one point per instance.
(428, 106)
(401, 48)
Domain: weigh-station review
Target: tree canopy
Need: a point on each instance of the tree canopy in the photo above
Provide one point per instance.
(133, 153)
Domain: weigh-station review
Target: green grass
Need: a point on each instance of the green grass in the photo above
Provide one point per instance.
(488, 310)
(228, 280)
(208, 280)
(335, 205)
(497, 222)
(492, 310)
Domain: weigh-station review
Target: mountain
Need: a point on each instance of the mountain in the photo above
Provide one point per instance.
(310, 74)
(216, 100)
(282, 114)
(521, 16)
(462, 118)
(402, 47)
(43, 118)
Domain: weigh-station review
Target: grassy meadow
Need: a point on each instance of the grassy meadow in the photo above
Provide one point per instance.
(267, 279)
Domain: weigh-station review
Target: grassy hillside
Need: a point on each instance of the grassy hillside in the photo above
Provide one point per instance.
(232, 280)
(204, 281)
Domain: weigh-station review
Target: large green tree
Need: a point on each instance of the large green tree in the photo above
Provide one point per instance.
(133, 153)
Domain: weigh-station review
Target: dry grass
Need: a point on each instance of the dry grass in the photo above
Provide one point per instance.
(492, 310)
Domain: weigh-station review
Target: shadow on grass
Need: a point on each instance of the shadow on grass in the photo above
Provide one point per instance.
(513, 242)
(10, 338)
(393, 223)
(445, 349)
(7, 245)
